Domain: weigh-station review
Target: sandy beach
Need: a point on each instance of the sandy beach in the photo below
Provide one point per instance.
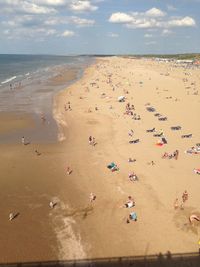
(77, 228)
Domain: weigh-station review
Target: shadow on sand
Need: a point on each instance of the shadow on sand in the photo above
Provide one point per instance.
(160, 260)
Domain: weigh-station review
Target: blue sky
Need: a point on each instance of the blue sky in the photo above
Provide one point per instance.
(99, 26)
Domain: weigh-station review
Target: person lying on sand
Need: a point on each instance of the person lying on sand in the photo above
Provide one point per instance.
(131, 160)
(129, 203)
(132, 217)
(193, 218)
(132, 176)
(92, 197)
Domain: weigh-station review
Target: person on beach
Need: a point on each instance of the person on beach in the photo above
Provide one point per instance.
(176, 204)
(90, 139)
(185, 196)
(92, 197)
(11, 216)
(131, 160)
(23, 140)
(43, 118)
(132, 176)
(94, 141)
(37, 153)
(176, 153)
(132, 217)
(194, 218)
(131, 132)
(69, 171)
(129, 203)
(51, 204)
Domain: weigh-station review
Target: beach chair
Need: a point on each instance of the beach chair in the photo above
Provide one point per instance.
(151, 130)
(157, 115)
(186, 136)
(176, 128)
(134, 141)
(162, 118)
(113, 167)
(150, 109)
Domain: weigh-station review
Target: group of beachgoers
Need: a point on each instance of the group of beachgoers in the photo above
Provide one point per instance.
(184, 199)
(92, 141)
(130, 203)
(173, 155)
(129, 110)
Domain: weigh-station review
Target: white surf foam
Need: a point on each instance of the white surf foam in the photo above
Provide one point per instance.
(9, 80)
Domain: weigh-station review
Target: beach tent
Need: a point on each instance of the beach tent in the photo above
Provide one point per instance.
(121, 98)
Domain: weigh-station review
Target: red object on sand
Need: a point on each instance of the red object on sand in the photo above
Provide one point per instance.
(159, 144)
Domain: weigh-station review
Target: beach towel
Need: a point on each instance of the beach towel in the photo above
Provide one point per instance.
(111, 165)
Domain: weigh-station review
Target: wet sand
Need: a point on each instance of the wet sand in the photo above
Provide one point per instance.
(76, 228)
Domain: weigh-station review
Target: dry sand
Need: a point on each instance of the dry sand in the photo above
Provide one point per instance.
(75, 228)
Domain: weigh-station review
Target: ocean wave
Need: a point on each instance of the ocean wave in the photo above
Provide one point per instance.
(9, 80)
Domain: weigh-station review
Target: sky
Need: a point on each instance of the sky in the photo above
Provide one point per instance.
(68, 27)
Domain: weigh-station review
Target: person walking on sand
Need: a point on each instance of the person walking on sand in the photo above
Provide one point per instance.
(11, 216)
(185, 196)
(51, 204)
(176, 204)
(176, 153)
(69, 170)
(23, 140)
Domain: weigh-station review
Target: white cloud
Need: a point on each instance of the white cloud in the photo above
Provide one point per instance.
(82, 6)
(28, 7)
(155, 12)
(50, 2)
(79, 22)
(113, 35)
(68, 33)
(120, 18)
(151, 19)
(147, 35)
(186, 21)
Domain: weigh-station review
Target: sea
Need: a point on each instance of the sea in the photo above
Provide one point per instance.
(26, 88)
